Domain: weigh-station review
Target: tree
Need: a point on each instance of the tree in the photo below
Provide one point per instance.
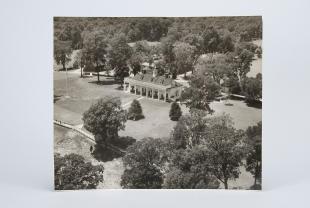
(148, 177)
(104, 119)
(72, 173)
(241, 61)
(80, 60)
(94, 51)
(184, 57)
(143, 164)
(254, 155)
(168, 54)
(220, 147)
(224, 146)
(211, 40)
(252, 88)
(175, 111)
(195, 40)
(233, 85)
(244, 36)
(201, 92)
(62, 52)
(135, 62)
(142, 47)
(141, 53)
(119, 54)
(215, 66)
(259, 51)
(189, 169)
(135, 111)
(226, 43)
(188, 131)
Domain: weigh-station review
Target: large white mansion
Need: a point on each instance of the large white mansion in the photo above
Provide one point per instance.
(152, 86)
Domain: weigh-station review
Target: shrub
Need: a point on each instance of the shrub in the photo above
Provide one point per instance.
(135, 111)
(175, 112)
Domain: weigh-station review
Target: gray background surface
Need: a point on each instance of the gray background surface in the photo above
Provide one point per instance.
(26, 86)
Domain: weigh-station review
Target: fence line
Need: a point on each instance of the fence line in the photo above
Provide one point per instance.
(90, 137)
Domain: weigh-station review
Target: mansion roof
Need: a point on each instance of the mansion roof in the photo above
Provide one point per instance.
(148, 79)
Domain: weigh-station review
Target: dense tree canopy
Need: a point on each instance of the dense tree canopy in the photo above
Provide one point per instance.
(189, 169)
(72, 172)
(215, 66)
(211, 40)
(153, 29)
(143, 164)
(62, 52)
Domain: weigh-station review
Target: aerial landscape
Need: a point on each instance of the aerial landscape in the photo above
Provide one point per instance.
(157, 103)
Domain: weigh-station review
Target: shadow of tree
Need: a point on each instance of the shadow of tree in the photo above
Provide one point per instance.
(103, 153)
(137, 118)
(123, 142)
(119, 87)
(254, 104)
(107, 81)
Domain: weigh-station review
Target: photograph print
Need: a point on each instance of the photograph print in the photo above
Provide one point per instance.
(157, 102)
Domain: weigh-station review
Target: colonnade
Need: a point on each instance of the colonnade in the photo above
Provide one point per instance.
(148, 92)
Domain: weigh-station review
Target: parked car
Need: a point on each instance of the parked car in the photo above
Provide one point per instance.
(87, 74)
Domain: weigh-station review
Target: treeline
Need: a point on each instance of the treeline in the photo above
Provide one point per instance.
(154, 28)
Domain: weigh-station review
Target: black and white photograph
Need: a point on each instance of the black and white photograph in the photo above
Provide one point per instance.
(158, 102)
(154, 104)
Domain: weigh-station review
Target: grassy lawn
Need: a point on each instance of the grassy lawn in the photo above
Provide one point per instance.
(156, 123)
(243, 115)
(82, 93)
